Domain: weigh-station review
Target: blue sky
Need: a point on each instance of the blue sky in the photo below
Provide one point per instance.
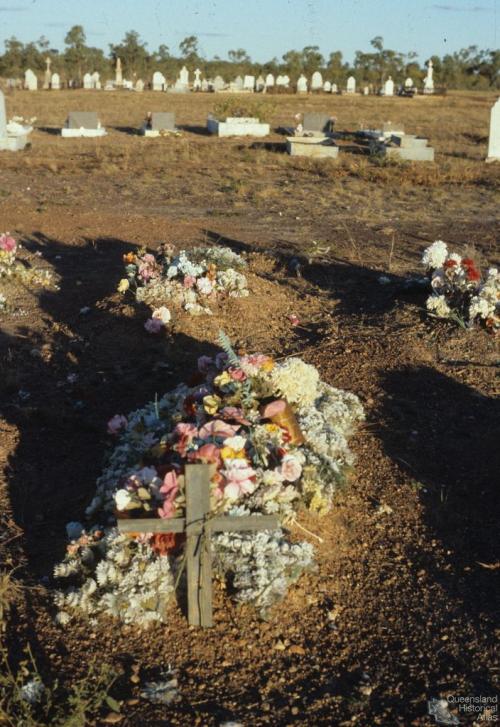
(265, 28)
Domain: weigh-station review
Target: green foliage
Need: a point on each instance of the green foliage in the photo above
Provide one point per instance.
(259, 108)
(55, 706)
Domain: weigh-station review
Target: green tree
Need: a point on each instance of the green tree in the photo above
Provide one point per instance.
(132, 52)
(189, 49)
(76, 51)
(239, 56)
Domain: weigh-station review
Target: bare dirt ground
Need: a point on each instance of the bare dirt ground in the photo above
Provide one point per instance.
(404, 603)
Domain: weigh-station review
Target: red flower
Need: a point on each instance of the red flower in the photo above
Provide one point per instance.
(450, 264)
(473, 274)
(468, 262)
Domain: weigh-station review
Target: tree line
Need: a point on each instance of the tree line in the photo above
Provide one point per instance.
(469, 68)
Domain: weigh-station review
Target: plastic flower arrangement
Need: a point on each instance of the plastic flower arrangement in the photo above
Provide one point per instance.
(459, 291)
(191, 279)
(278, 439)
(12, 269)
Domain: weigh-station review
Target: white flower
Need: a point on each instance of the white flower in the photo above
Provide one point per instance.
(435, 255)
(122, 499)
(204, 286)
(235, 443)
(437, 304)
(172, 271)
(163, 314)
(296, 381)
(32, 691)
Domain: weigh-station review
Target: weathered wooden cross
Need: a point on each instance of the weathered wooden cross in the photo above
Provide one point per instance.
(198, 526)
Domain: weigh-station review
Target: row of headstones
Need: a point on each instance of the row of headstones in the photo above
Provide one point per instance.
(247, 83)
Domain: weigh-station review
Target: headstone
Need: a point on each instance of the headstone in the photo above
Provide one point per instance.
(30, 80)
(409, 147)
(409, 83)
(334, 88)
(316, 81)
(248, 83)
(389, 87)
(269, 80)
(96, 80)
(205, 86)
(184, 76)
(351, 85)
(237, 126)
(13, 136)
(47, 75)
(315, 121)
(87, 81)
(327, 87)
(280, 80)
(286, 80)
(315, 147)
(158, 81)
(55, 82)
(139, 85)
(238, 83)
(218, 83)
(82, 123)
(366, 90)
(428, 80)
(118, 73)
(197, 81)
(494, 142)
(158, 122)
(260, 84)
(302, 84)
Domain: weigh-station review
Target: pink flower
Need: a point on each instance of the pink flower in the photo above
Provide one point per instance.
(207, 453)
(294, 320)
(218, 428)
(239, 477)
(237, 374)
(234, 413)
(189, 281)
(147, 267)
(170, 488)
(186, 434)
(153, 325)
(116, 423)
(7, 243)
(291, 469)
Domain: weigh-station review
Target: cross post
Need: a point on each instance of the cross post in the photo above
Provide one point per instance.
(198, 526)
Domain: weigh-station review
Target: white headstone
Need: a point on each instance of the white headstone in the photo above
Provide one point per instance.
(494, 143)
(351, 85)
(238, 83)
(389, 87)
(218, 83)
(197, 81)
(334, 88)
(409, 83)
(366, 91)
(260, 83)
(249, 83)
(184, 76)
(316, 81)
(302, 84)
(205, 86)
(139, 85)
(87, 81)
(269, 80)
(428, 80)
(327, 87)
(55, 82)
(286, 80)
(158, 81)
(30, 80)
(118, 73)
(96, 80)
(47, 75)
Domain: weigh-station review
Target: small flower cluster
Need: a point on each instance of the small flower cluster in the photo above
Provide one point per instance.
(459, 292)
(11, 269)
(277, 438)
(191, 280)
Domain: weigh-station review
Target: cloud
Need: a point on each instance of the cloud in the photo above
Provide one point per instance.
(462, 9)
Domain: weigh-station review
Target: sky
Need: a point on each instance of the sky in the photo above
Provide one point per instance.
(264, 28)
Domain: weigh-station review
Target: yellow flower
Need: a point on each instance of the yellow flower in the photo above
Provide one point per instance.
(123, 285)
(272, 428)
(222, 379)
(230, 453)
(211, 404)
(268, 365)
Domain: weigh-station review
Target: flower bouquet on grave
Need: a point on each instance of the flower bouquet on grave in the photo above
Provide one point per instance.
(277, 439)
(459, 291)
(12, 269)
(191, 279)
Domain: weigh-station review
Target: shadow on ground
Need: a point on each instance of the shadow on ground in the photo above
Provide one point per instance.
(445, 435)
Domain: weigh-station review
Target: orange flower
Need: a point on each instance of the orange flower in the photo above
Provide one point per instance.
(129, 258)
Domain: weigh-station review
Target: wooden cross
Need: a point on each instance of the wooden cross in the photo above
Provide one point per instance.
(198, 526)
